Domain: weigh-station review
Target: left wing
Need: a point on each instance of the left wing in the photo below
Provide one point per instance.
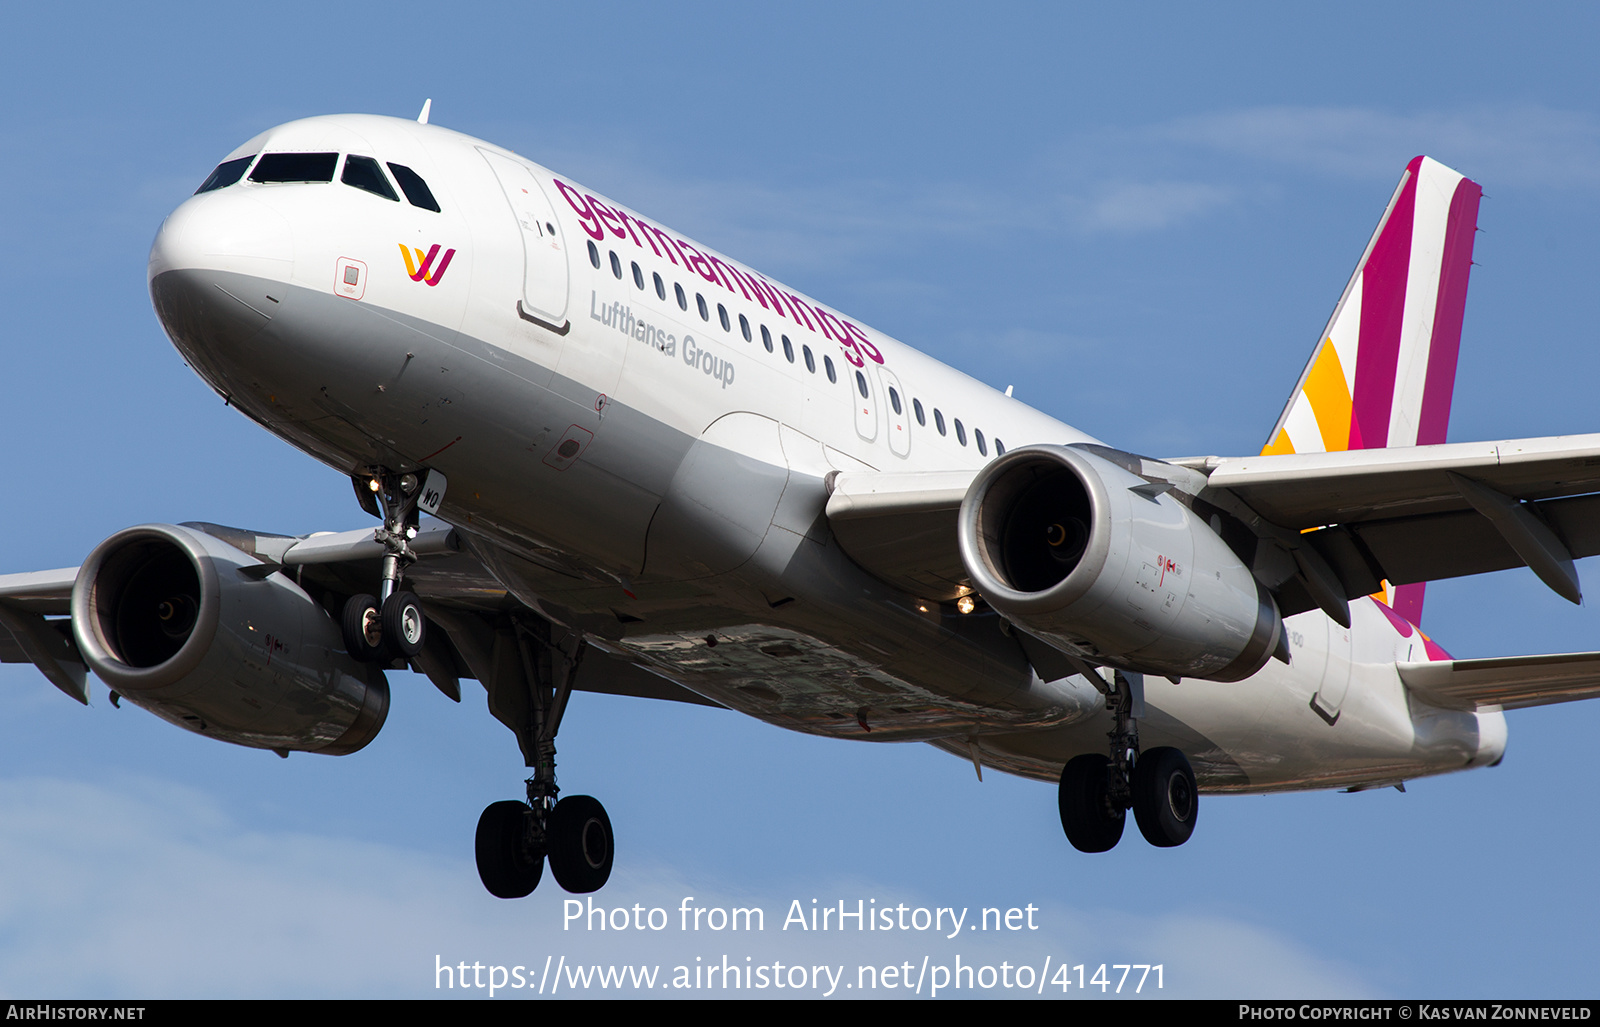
(1317, 528)
(1425, 512)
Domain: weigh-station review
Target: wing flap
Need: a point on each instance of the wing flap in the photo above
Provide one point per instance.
(1508, 683)
(1431, 547)
(901, 527)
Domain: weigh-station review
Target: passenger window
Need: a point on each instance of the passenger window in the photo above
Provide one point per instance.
(999, 448)
(938, 420)
(225, 174)
(961, 432)
(364, 173)
(811, 361)
(788, 350)
(766, 338)
(638, 276)
(616, 265)
(594, 254)
(722, 315)
(700, 301)
(414, 187)
(295, 167)
(916, 408)
(661, 287)
(894, 400)
(977, 435)
(744, 327)
(683, 301)
(827, 364)
(861, 384)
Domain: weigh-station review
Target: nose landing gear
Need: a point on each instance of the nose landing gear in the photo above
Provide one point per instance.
(391, 625)
(1159, 785)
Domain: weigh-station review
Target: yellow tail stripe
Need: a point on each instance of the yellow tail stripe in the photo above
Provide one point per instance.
(1330, 399)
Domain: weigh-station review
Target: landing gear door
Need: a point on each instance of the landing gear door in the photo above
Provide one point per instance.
(544, 278)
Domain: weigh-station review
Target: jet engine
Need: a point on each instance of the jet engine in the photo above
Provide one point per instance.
(211, 639)
(1104, 564)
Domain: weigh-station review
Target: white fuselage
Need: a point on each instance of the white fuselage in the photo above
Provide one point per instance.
(647, 470)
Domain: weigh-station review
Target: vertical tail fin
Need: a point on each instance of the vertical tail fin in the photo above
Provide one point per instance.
(1383, 372)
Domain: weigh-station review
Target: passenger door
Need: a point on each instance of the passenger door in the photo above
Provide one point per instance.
(545, 274)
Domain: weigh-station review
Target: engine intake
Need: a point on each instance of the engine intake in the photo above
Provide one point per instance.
(168, 617)
(1090, 557)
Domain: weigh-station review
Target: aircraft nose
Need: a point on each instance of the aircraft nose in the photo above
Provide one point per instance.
(214, 265)
(224, 231)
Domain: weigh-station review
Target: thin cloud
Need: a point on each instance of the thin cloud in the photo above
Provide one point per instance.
(1149, 206)
(1522, 145)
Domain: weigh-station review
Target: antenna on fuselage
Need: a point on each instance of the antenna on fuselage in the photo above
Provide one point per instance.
(427, 105)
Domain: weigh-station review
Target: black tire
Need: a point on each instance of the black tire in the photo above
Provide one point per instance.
(405, 628)
(581, 845)
(363, 630)
(505, 865)
(1090, 826)
(1165, 799)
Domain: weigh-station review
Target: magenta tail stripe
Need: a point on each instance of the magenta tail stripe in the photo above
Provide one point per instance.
(1461, 231)
(1383, 305)
(1408, 601)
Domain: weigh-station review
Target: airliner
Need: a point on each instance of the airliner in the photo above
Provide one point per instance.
(604, 457)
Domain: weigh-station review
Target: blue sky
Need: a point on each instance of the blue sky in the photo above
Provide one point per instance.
(1140, 219)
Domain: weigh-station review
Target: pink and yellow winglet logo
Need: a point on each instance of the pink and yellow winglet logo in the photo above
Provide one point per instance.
(421, 267)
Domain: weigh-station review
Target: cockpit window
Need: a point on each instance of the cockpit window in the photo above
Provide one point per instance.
(295, 167)
(414, 187)
(364, 173)
(226, 173)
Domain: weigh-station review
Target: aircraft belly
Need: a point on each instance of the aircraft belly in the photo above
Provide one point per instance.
(795, 680)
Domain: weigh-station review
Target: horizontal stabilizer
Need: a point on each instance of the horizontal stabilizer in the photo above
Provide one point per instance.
(1509, 683)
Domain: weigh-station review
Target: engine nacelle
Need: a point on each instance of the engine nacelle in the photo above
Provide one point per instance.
(187, 627)
(1059, 541)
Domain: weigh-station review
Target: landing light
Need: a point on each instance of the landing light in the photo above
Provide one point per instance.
(965, 604)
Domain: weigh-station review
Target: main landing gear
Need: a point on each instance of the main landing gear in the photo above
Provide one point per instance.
(516, 838)
(1158, 785)
(391, 625)
(527, 665)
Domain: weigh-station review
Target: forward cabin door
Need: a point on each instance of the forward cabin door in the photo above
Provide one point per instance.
(895, 403)
(545, 275)
(866, 402)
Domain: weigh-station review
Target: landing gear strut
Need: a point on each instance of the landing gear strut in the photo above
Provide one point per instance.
(529, 694)
(391, 625)
(1097, 791)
